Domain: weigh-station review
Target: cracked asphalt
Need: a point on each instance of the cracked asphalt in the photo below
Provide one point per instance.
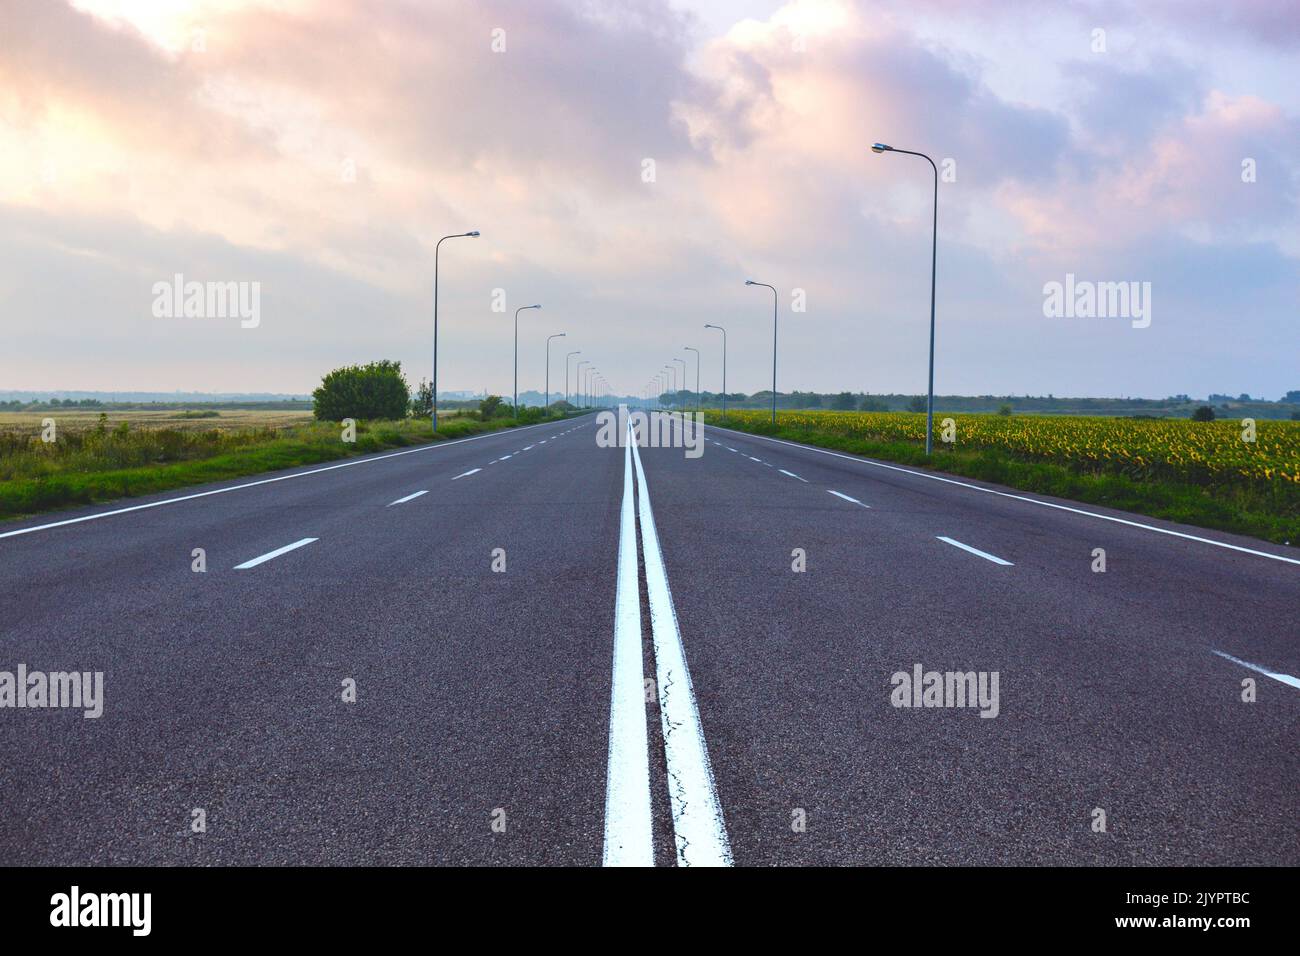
(480, 732)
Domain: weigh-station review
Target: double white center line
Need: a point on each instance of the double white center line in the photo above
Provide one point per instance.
(698, 827)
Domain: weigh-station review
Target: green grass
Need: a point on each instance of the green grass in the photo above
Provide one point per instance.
(90, 465)
(1271, 513)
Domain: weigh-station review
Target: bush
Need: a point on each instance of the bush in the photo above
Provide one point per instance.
(1004, 409)
(494, 406)
(1203, 414)
(372, 391)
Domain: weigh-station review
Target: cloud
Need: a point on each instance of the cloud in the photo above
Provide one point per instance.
(324, 147)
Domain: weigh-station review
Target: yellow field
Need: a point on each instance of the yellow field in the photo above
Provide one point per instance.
(1205, 453)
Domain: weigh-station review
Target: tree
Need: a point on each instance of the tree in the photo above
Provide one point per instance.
(1004, 409)
(422, 403)
(374, 391)
(917, 403)
(1203, 414)
(843, 402)
(869, 404)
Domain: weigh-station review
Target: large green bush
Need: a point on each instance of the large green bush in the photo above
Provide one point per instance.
(377, 390)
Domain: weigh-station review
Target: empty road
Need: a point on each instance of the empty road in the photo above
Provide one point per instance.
(531, 648)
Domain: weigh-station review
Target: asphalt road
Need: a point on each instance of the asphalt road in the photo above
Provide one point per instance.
(495, 721)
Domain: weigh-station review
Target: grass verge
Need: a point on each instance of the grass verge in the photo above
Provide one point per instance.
(1272, 514)
(96, 465)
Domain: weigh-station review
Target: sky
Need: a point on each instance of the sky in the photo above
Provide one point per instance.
(629, 165)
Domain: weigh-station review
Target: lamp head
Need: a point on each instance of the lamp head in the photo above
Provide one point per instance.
(473, 234)
(880, 147)
(749, 282)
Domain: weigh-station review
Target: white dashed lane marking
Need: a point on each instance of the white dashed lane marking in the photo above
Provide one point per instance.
(274, 554)
(401, 501)
(1284, 678)
(840, 494)
(976, 551)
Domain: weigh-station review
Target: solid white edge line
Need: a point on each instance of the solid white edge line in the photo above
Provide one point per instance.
(698, 826)
(402, 501)
(1276, 675)
(466, 474)
(262, 481)
(261, 559)
(966, 547)
(1005, 494)
(628, 828)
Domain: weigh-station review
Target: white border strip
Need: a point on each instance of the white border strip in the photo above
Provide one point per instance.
(266, 481)
(1004, 494)
(628, 829)
(698, 826)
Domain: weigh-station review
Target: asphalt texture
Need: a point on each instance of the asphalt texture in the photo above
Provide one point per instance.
(480, 730)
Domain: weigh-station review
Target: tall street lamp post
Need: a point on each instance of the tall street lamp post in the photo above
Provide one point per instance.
(773, 288)
(577, 381)
(689, 348)
(557, 335)
(570, 355)
(724, 365)
(517, 311)
(934, 254)
(456, 235)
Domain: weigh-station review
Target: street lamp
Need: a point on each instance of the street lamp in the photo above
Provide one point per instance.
(683, 361)
(517, 311)
(697, 374)
(557, 335)
(566, 373)
(456, 235)
(672, 370)
(934, 254)
(773, 288)
(577, 380)
(724, 365)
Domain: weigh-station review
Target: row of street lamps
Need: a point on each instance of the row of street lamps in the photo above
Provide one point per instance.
(588, 384)
(934, 249)
(593, 377)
